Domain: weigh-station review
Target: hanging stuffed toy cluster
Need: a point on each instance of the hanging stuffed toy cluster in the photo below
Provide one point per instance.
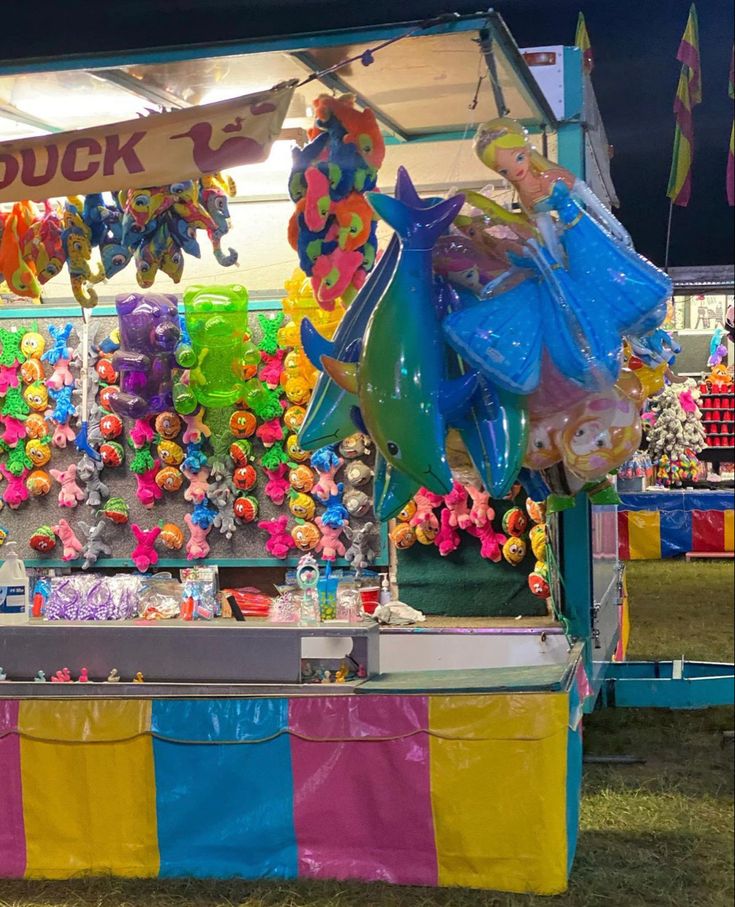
(154, 228)
(502, 332)
(333, 226)
(675, 434)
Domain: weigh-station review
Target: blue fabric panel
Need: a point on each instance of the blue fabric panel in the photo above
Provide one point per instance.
(676, 532)
(678, 500)
(225, 809)
(574, 777)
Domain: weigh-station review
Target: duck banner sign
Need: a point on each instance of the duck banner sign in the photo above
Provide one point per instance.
(156, 150)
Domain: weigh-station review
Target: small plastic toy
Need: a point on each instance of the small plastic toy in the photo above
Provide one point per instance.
(113, 676)
(144, 555)
(83, 676)
(40, 677)
(95, 545)
(364, 545)
(330, 545)
(197, 546)
(70, 494)
(43, 539)
(327, 464)
(139, 677)
(72, 545)
(279, 541)
(278, 485)
(147, 490)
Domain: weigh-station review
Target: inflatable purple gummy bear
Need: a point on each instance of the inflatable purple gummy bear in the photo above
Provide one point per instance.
(149, 333)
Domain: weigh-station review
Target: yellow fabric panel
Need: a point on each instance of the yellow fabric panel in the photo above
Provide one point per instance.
(644, 535)
(625, 618)
(89, 807)
(730, 530)
(499, 795)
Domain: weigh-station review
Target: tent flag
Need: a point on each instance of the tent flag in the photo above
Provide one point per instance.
(155, 150)
(582, 41)
(688, 95)
(730, 179)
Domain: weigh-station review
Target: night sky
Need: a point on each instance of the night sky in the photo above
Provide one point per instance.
(635, 77)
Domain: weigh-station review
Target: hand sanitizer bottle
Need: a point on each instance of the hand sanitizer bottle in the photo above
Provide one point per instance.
(385, 595)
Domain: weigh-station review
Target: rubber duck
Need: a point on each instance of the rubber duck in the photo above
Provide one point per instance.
(3, 675)
(113, 676)
(83, 676)
(138, 678)
(40, 677)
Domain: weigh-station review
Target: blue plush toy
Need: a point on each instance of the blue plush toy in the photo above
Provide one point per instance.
(335, 514)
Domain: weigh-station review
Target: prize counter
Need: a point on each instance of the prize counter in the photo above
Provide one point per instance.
(659, 524)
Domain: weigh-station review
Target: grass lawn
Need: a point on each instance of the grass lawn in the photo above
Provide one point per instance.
(660, 833)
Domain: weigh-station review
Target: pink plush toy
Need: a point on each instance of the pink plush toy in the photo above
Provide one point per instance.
(480, 512)
(144, 555)
(278, 485)
(15, 430)
(272, 369)
(72, 545)
(327, 464)
(141, 433)
(16, 492)
(61, 375)
(70, 493)
(63, 434)
(447, 539)
(270, 432)
(456, 501)
(198, 485)
(147, 489)
(197, 547)
(491, 542)
(279, 541)
(196, 429)
(329, 545)
(426, 501)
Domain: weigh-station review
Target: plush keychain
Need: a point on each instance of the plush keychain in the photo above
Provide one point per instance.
(272, 368)
(491, 542)
(61, 414)
(514, 550)
(43, 539)
(38, 483)
(278, 484)
(456, 504)
(197, 546)
(116, 510)
(426, 502)
(95, 545)
(144, 555)
(480, 512)
(330, 545)
(222, 495)
(72, 545)
(327, 464)
(147, 489)
(171, 537)
(70, 493)
(244, 478)
(169, 479)
(88, 471)
(10, 357)
(16, 491)
(279, 541)
(335, 514)
(447, 539)
(269, 432)
(354, 446)
(59, 356)
(301, 506)
(364, 546)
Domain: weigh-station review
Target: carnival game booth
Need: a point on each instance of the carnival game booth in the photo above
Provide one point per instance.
(201, 443)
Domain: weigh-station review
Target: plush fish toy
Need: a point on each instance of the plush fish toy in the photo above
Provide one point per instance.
(403, 395)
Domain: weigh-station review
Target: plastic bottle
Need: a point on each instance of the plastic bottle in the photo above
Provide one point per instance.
(385, 595)
(13, 586)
